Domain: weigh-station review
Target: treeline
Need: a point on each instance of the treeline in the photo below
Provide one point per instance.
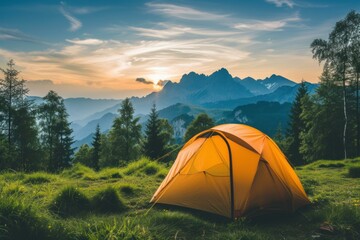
(326, 125)
(39, 137)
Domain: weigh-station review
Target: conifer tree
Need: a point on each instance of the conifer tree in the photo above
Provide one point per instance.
(296, 126)
(125, 135)
(96, 143)
(158, 134)
(55, 132)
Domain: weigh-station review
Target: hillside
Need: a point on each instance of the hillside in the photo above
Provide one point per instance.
(27, 207)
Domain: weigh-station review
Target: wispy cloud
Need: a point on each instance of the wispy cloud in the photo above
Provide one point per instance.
(75, 24)
(183, 12)
(280, 3)
(15, 34)
(272, 25)
(170, 31)
(89, 41)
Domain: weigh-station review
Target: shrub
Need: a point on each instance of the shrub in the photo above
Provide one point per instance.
(37, 178)
(69, 202)
(354, 172)
(108, 201)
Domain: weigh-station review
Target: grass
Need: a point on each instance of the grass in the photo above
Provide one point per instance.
(70, 201)
(354, 172)
(108, 201)
(114, 204)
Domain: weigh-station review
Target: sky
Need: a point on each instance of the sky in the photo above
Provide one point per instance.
(117, 49)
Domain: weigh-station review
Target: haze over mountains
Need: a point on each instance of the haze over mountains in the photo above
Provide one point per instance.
(263, 103)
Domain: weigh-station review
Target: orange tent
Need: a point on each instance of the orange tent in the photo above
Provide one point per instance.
(232, 170)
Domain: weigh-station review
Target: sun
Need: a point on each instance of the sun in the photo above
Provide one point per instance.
(156, 77)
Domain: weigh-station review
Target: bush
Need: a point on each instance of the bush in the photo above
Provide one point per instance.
(38, 178)
(151, 169)
(69, 202)
(108, 201)
(354, 172)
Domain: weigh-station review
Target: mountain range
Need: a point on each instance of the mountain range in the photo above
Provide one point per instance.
(262, 103)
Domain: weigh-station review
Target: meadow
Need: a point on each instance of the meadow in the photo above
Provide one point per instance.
(113, 203)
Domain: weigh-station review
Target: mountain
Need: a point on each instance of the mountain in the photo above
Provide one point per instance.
(276, 81)
(265, 116)
(282, 94)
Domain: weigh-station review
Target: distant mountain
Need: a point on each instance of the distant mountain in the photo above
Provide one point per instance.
(265, 116)
(276, 81)
(80, 108)
(282, 94)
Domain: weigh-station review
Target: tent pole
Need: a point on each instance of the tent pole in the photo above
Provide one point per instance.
(231, 178)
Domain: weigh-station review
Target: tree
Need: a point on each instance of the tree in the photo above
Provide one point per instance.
(17, 121)
(125, 134)
(96, 143)
(200, 123)
(55, 132)
(321, 137)
(338, 56)
(13, 92)
(296, 126)
(158, 134)
(84, 155)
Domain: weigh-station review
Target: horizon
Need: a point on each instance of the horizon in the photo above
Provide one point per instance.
(107, 50)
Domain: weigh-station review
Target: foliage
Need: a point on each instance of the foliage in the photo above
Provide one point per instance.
(200, 123)
(124, 136)
(341, 62)
(96, 143)
(84, 155)
(55, 132)
(296, 126)
(17, 123)
(158, 135)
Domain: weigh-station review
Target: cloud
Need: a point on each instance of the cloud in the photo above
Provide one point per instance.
(89, 41)
(183, 12)
(260, 25)
(143, 80)
(15, 34)
(171, 31)
(75, 24)
(159, 83)
(87, 10)
(280, 3)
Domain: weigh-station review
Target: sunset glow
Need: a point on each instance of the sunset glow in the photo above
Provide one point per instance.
(99, 49)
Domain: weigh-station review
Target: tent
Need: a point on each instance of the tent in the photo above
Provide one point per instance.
(232, 170)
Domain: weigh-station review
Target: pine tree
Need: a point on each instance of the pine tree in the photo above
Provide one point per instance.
(125, 135)
(96, 143)
(55, 132)
(296, 126)
(17, 119)
(155, 136)
(200, 123)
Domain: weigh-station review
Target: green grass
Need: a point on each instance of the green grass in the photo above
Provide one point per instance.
(114, 204)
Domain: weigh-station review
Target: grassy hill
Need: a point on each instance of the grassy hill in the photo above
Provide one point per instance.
(113, 204)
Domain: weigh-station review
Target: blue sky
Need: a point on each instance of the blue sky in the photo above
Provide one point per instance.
(98, 48)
